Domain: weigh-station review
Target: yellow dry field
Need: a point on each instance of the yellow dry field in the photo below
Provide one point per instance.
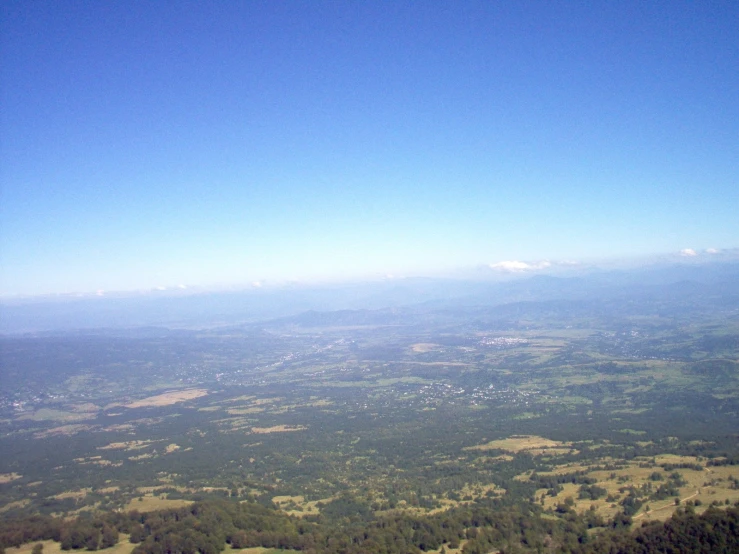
(287, 407)
(124, 546)
(245, 411)
(278, 429)
(253, 405)
(488, 459)
(320, 403)
(451, 364)
(553, 451)
(521, 443)
(129, 445)
(150, 503)
(422, 347)
(211, 489)
(475, 491)
(239, 399)
(148, 490)
(85, 407)
(47, 414)
(73, 494)
(141, 457)
(298, 506)
(168, 398)
(16, 504)
(454, 550)
(120, 427)
(263, 401)
(478, 491)
(8, 477)
(238, 424)
(256, 550)
(707, 485)
(67, 430)
(559, 470)
(97, 460)
(50, 547)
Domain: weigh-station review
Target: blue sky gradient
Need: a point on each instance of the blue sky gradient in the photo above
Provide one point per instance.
(149, 144)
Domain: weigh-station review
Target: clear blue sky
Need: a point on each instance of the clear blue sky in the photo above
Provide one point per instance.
(150, 144)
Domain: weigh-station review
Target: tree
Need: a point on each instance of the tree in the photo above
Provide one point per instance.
(110, 537)
(93, 540)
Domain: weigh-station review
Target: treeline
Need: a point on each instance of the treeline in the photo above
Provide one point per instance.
(494, 524)
(95, 533)
(732, 460)
(713, 532)
(207, 527)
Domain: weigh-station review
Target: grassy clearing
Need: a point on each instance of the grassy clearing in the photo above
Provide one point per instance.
(150, 503)
(129, 445)
(450, 364)
(278, 429)
(423, 347)
(560, 470)
(73, 494)
(141, 457)
(705, 486)
(408, 380)
(521, 443)
(97, 460)
(245, 411)
(287, 407)
(264, 401)
(168, 398)
(47, 414)
(124, 546)
(452, 550)
(298, 506)
(257, 550)
(8, 477)
(50, 547)
(340, 384)
(243, 398)
(16, 504)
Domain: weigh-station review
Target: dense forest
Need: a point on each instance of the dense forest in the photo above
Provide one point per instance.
(207, 527)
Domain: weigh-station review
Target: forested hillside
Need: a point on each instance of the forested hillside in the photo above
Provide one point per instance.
(207, 527)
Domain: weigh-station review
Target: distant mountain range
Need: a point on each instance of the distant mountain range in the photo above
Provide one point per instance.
(674, 280)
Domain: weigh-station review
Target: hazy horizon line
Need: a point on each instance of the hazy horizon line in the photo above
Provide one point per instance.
(500, 270)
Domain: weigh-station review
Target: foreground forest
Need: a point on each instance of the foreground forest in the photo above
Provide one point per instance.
(577, 418)
(208, 527)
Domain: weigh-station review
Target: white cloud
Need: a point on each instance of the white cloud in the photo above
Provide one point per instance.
(515, 266)
(712, 251)
(688, 252)
(256, 284)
